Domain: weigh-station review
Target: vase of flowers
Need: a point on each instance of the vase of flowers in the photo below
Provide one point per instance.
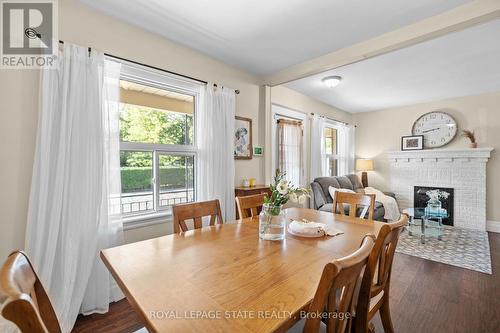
(272, 219)
(471, 136)
(434, 205)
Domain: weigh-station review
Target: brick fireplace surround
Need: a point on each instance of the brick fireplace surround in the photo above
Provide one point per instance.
(461, 169)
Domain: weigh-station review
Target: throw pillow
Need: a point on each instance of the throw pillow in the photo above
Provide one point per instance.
(332, 191)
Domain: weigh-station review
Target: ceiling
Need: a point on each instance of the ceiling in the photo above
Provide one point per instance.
(128, 85)
(463, 63)
(158, 99)
(265, 36)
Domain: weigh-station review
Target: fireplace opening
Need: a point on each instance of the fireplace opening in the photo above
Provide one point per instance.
(434, 201)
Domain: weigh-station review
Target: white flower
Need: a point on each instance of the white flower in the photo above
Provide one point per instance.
(293, 197)
(437, 194)
(282, 187)
(302, 199)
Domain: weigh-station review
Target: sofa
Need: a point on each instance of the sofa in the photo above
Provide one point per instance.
(324, 202)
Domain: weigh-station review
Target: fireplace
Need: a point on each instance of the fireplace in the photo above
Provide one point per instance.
(436, 200)
(464, 170)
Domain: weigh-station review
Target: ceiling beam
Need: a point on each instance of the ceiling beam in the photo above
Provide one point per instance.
(459, 18)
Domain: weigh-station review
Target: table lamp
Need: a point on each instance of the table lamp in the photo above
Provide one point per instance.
(364, 165)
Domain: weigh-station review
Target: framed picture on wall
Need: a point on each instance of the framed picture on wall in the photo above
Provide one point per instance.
(412, 142)
(258, 151)
(242, 138)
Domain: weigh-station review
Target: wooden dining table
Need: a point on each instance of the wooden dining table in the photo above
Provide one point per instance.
(224, 278)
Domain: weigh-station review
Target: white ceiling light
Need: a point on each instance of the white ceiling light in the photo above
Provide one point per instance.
(331, 81)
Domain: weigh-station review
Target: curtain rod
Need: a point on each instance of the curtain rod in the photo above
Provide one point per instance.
(289, 121)
(331, 119)
(156, 68)
(277, 115)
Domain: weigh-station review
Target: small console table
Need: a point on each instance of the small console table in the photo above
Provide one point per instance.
(431, 224)
(243, 191)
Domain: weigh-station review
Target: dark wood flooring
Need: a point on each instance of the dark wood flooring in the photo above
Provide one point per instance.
(426, 297)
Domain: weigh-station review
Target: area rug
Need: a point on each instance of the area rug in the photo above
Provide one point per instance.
(459, 247)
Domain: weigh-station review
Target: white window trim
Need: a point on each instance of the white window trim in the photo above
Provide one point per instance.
(339, 127)
(162, 80)
(144, 220)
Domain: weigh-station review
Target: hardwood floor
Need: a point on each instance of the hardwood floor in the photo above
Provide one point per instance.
(426, 296)
(120, 318)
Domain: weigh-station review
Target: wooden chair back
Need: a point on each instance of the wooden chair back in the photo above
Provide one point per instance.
(25, 301)
(377, 275)
(340, 275)
(196, 211)
(354, 200)
(250, 206)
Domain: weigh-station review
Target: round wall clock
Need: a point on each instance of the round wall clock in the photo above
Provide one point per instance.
(437, 127)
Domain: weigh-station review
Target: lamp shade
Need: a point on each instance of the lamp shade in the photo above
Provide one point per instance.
(364, 164)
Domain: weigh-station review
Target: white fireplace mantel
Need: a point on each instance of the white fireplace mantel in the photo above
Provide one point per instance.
(482, 154)
(464, 170)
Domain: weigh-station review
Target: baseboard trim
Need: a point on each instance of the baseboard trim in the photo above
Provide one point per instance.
(493, 226)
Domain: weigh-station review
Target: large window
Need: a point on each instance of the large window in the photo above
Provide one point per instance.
(290, 159)
(158, 155)
(331, 151)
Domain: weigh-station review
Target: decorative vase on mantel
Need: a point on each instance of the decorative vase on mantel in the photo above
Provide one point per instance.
(272, 218)
(468, 134)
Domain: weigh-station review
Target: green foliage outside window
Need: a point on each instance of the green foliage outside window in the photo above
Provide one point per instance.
(148, 125)
(144, 124)
(136, 179)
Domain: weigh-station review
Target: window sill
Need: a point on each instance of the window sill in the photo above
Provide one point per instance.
(141, 221)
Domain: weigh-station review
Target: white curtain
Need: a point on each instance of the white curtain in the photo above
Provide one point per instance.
(215, 148)
(317, 147)
(75, 182)
(346, 149)
(290, 152)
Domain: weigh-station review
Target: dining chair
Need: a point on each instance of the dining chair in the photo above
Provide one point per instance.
(25, 302)
(23, 297)
(374, 289)
(250, 206)
(334, 295)
(196, 211)
(354, 200)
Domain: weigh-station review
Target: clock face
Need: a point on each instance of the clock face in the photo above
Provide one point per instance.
(438, 128)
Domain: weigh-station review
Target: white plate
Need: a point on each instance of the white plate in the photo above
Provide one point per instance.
(305, 235)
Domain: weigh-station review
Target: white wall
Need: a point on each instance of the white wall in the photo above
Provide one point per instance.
(19, 95)
(381, 131)
(18, 120)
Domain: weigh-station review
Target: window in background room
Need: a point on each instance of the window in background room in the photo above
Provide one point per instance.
(331, 151)
(157, 157)
(290, 154)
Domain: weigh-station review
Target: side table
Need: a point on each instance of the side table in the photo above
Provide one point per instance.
(431, 224)
(242, 191)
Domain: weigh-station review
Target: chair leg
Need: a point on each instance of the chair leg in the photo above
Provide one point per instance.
(385, 315)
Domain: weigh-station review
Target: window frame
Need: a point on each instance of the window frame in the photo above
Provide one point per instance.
(282, 112)
(171, 82)
(156, 159)
(327, 157)
(125, 216)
